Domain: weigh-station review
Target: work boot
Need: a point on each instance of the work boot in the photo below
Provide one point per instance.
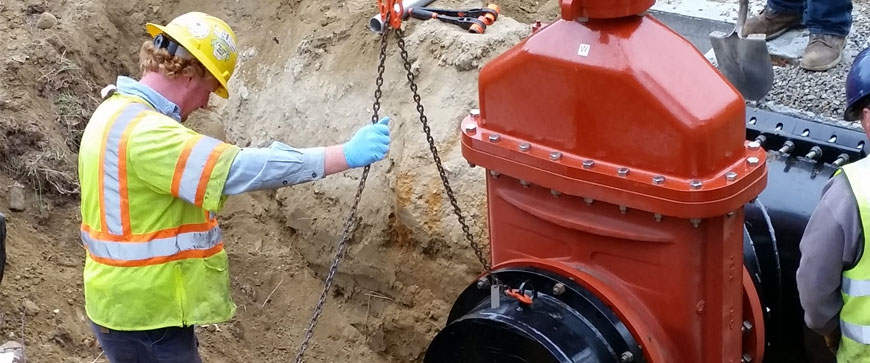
(823, 52)
(770, 23)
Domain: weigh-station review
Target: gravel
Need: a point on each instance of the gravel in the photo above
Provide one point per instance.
(821, 94)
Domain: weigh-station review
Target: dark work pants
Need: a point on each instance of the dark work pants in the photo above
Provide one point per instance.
(828, 17)
(165, 345)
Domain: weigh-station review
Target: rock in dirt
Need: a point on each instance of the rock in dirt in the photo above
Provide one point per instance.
(17, 202)
(12, 352)
(30, 308)
(46, 21)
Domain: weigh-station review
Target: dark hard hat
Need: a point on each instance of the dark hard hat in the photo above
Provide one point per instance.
(858, 86)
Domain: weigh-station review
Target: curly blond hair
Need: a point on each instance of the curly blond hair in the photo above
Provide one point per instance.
(152, 59)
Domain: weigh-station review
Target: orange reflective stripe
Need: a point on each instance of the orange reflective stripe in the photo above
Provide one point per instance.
(159, 260)
(206, 172)
(146, 237)
(182, 162)
(122, 175)
(102, 168)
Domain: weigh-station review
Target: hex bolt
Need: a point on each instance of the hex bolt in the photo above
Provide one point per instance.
(494, 137)
(588, 201)
(731, 176)
(658, 217)
(623, 172)
(695, 184)
(626, 357)
(815, 153)
(761, 139)
(483, 283)
(623, 209)
(754, 145)
(470, 127)
(588, 164)
(558, 289)
(494, 173)
(524, 183)
(746, 327)
(696, 222)
(555, 155)
(525, 146)
(841, 160)
(787, 147)
(474, 112)
(752, 161)
(658, 180)
(555, 192)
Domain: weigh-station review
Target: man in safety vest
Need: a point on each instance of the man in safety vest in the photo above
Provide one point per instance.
(156, 264)
(834, 273)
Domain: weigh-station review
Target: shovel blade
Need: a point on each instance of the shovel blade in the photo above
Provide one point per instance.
(745, 62)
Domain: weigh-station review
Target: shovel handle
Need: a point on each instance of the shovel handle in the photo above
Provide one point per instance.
(742, 12)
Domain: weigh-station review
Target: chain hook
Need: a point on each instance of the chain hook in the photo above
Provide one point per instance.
(391, 12)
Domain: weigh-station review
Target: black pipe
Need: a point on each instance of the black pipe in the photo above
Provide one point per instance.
(564, 323)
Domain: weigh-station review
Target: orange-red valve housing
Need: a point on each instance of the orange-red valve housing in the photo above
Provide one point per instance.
(617, 158)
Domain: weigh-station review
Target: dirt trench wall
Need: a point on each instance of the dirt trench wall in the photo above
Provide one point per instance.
(316, 88)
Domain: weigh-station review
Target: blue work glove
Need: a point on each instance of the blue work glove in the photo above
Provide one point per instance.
(371, 143)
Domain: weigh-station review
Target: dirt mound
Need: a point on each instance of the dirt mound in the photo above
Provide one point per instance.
(306, 77)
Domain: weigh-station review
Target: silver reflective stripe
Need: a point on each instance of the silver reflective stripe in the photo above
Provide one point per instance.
(856, 288)
(194, 167)
(160, 247)
(858, 333)
(111, 172)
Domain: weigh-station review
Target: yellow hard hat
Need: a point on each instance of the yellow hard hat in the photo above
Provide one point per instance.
(210, 40)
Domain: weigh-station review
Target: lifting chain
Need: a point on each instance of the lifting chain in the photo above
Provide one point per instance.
(350, 223)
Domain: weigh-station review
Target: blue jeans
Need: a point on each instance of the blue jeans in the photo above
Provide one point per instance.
(825, 17)
(165, 345)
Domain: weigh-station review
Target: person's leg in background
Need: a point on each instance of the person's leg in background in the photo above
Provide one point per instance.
(777, 17)
(828, 21)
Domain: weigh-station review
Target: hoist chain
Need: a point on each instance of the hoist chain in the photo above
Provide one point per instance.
(350, 223)
(478, 251)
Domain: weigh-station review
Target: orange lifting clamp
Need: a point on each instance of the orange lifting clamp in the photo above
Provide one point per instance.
(391, 12)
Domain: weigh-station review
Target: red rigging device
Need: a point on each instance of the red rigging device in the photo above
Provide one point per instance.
(622, 183)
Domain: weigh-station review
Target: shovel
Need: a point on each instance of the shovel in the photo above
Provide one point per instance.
(744, 61)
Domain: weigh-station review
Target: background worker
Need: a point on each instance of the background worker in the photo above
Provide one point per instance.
(828, 21)
(833, 277)
(155, 263)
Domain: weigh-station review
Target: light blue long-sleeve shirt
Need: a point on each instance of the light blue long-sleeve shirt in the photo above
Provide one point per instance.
(253, 168)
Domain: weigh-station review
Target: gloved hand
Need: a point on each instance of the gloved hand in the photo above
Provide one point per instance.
(371, 143)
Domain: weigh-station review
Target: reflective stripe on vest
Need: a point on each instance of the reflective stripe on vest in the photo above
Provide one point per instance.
(856, 288)
(858, 333)
(112, 198)
(127, 253)
(115, 244)
(194, 167)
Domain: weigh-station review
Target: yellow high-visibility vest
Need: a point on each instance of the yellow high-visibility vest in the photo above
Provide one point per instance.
(149, 191)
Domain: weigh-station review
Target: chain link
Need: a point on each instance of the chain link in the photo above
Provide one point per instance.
(478, 251)
(350, 223)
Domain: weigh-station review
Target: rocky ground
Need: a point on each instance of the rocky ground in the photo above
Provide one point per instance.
(306, 78)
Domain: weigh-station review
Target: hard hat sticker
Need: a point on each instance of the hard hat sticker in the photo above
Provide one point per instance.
(223, 35)
(196, 27)
(220, 50)
(584, 50)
